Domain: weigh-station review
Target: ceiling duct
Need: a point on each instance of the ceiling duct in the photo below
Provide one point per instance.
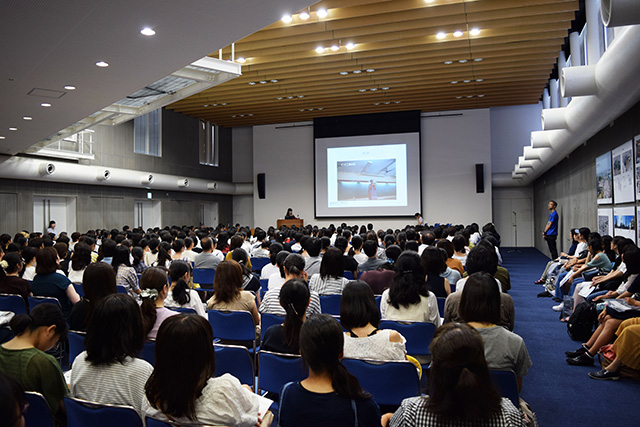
(618, 13)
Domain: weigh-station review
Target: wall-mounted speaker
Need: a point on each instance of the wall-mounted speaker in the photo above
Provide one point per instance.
(261, 186)
(479, 178)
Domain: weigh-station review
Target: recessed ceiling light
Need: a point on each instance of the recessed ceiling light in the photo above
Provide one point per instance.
(320, 108)
(250, 115)
(469, 96)
(241, 60)
(463, 61)
(458, 97)
(279, 98)
(2, 137)
(300, 96)
(385, 88)
(370, 70)
(350, 45)
(215, 105)
(477, 59)
(441, 35)
(387, 102)
(224, 103)
(479, 80)
(263, 82)
(453, 82)
(320, 49)
(69, 87)
(304, 16)
(373, 89)
(344, 73)
(287, 19)
(335, 48)
(310, 109)
(205, 105)
(45, 104)
(457, 33)
(429, 1)
(252, 83)
(290, 97)
(147, 31)
(301, 110)
(362, 90)
(398, 102)
(357, 71)
(448, 62)
(475, 31)
(234, 116)
(102, 64)
(480, 96)
(13, 129)
(274, 80)
(466, 81)
(376, 103)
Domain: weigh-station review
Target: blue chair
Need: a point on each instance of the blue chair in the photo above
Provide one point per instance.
(389, 382)
(418, 335)
(155, 423)
(278, 369)
(330, 304)
(506, 383)
(235, 360)
(348, 275)
(76, 345)
(78, 288)
(441, 302)
(204, 277)
(378, 300)
(14, 303)
(183, 310)
(233, 325)
(81, 413)
(267, 320)
(258, 263)
(121, 289)
(264, 284)
(148, 352)
(33, 301)
(453, 288)
(39, 413)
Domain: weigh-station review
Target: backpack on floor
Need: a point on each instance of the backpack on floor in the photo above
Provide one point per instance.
(582, 321)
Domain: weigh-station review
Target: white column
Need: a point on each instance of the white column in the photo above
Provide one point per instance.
(592, 8)
(562, 63)
(546, 101)
(554, 92)
(576, 52)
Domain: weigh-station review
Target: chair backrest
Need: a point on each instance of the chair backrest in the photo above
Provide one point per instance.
(232, 325)
(330, 304)
(33, 301)
(378, 301)
(14, 303)
(148, 352)
(441, 302)
(78, 288)
(267, 320)
(183, 309)
(39, 413)
(204, 277)
(277, 369)
(418, 335)
(506, 383)
(389, 382)
(82, 413)
(235, 360)
(348, 275)
(264, 284)
(453, 288)
(121, 289)
(76, 345)
(155, 423)
(258, 263)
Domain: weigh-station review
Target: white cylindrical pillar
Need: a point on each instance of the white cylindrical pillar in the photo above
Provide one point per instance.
(554, 93)
(576, 52)
(562, 64)
(546, 101)
(594, 25)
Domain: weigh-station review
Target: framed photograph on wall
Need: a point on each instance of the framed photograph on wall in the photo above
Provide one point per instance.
(604, 181)
(636, 143)
(624, 222)
(623, 188)
(605, 221)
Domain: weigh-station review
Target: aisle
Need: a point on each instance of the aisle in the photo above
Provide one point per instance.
(559, 393)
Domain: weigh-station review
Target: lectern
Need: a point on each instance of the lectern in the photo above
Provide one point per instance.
(289, 222)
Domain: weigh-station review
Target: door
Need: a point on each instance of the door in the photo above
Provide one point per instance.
(147, 214)
(62, 210)
(209, 214)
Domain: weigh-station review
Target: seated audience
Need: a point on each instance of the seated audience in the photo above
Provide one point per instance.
(79, 261)
(434, 266)
(360, 317)
(179, 293)
(10, 281)
(329, 396)
(109, 370)
(155, 289)
(313, 247)
(164, 256)
(330, 280)
(125, 274)
(460, 248)
(137, 253)
(99, 281)
(12, 402)
(206, 260)
(28, 254)
(182, 388)
(452, 263)
(284, 338)
(370, 248)
(276, 280)
(249, 281)
(178, 249)
(627, 351)
(480, 258)
(271, 268)
(49, 283)
(229, 294)
(461, 391)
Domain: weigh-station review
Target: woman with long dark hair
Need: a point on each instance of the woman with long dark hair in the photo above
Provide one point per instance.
(99, 280)
(249, 281)
(80, 259)
(228, 293)
(10, 281)
(125, 274)
(330, 280)
(285, 338)
(408, 297)
(182, 387)
(49, 283)
(180, 295)
(155, 287)
(164, 256)
(329, 396)
(461, 391)
(434, 265)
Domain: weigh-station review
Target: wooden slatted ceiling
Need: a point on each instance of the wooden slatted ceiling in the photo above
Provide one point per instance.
(508, 63)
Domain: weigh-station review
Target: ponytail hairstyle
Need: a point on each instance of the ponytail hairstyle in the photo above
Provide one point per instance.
(163, 254)
(153, 245)
(120, 257)
(153, 281)
(11, 263)
(321, 345)
(137, 253)
(294, 298)
(180, 292)
(294, 265)
(408, 284)
(460, 386)
(274, 248)
(240, 256)
(282, 255)
(177, 245)
(45, 314)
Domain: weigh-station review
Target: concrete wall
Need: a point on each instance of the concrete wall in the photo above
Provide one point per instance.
(242, 148)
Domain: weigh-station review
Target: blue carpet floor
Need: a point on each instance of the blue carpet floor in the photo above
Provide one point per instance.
(560, 394)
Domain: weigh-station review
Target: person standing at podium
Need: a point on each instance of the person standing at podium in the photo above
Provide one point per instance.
(290, 214)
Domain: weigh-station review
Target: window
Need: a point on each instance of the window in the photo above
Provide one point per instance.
(147, 134)
(208, 147)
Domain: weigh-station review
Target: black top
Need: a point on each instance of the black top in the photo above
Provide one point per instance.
(350, 264)
(436, 285)
(78, 318)
(16, 286)
(289, 217)
(275, 340)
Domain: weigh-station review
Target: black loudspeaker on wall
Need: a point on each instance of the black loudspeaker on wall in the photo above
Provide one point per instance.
(479, 178)
(261, 186)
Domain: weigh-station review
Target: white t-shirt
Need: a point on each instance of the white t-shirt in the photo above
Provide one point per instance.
(268, 270)
(460, 284)
(276, 281)
(194, 302)
(376, 346)
(425, 311)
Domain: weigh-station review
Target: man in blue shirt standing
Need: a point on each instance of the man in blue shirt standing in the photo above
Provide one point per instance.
(550, 233)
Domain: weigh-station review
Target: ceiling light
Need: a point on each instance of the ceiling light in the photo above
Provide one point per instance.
(320, 49)
(463, 61)
(320, 108)
(373, 89)
(215, 105)
(453, 82)
(441, 35)
(357, 71)
(290, 97)
(387, 102)
(45, 104)
(322, 13)
(376, 103)
(234, 116)
(370, 70)
(224, 103)
(429, 1)
(385, 88)
(2, 137)
(480, 96)
(457, 33)
(310, 109)
(397, 102)
(205, 105)
(469, 96)
(344, 73)
(362, 90)
(13, 129)
(301, 110)
(350, 46)
(458, 97)
(287, 19)
(335, 48)
(27, 118)
(279, 98)
(448, 62)
(300, 96)
(252, 83)
(466, 81)
(479, 80)
(477, 59)
(69, 87)
(147, 31)
(250, 115)
(102, 64)
(263, 82)
(475, 31)
(274, 80)
(241, 60)
(304, 16)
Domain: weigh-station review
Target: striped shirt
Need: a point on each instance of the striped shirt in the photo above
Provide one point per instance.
(271, 303)
(328, 286)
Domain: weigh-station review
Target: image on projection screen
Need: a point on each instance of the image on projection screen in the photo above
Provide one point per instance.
(367, 180)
